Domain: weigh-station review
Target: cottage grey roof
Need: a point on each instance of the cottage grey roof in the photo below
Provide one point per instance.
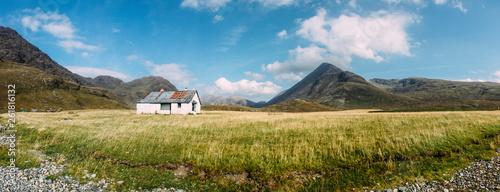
(169, 97)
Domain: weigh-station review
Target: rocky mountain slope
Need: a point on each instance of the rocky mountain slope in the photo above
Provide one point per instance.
(42, 84)
(38, 91)
(331, 86)
(13, 47)
(436, 90)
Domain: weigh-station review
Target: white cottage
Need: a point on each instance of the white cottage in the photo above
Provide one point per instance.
(170, 102)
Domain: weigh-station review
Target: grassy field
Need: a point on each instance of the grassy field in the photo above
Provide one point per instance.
(321, 151)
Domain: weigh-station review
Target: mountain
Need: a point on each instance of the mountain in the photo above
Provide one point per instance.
(208, 99)
(331, 86)
(436, 90)
(296, 105)
(41, 84)
(38, 91)
(133, 91)
(13, 47)
(230, 100)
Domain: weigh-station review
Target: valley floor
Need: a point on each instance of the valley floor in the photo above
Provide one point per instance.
(248, 151)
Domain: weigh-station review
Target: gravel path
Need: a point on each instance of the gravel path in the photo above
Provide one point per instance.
(35, 179)
(478, 176)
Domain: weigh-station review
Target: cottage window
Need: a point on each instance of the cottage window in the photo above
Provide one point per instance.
(194, 107)
(178, 105)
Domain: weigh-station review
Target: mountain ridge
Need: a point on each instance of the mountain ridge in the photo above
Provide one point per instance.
(333, 87)
(438, 90)
(13, 47)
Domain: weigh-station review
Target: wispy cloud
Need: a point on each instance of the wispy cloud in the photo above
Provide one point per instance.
(218, 18)
(94, 72)
(439, 2)
(86, 54)
(132, 57)
(58, 25)
(234, 35)
(458, 4)
(115, 30)
(176, 73)
(255, 76)
(290, 77)
(275, 3)
(213, 5)
(70, 45)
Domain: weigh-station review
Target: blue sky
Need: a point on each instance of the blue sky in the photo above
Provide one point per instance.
(257, 48)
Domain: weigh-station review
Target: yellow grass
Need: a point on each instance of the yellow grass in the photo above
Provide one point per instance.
(271, 144)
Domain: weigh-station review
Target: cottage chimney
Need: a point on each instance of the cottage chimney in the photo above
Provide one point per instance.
(185, 89)
(161, 90)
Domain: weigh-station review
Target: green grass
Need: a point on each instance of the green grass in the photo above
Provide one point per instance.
(324, 151)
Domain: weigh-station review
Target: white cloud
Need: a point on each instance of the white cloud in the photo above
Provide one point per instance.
(69, 45)
(453, 3)
(175, 73)
(255, 76)
(305, 60)
(418, 2)
(458, 4)
(283, 34)
(58, 25)
(94, 72)
(338, 2)
(498, 76)
(244, 88)
(214, 5)
(218, 18)
(484, 77)
(115, 30)
(473, 80)
(291, 77)
(132, 57)
(86, 54)
(439, 2)
(275, 3)
(60, 30)
(337, 40)
(30, 22)
(366, 37)
(497, 73)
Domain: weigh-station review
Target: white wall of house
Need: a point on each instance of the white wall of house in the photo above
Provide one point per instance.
(174, 108)
(147, 108)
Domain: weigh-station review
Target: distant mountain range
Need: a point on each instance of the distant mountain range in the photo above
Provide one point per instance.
(436, 90)
(44, 85)
(230, 100)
